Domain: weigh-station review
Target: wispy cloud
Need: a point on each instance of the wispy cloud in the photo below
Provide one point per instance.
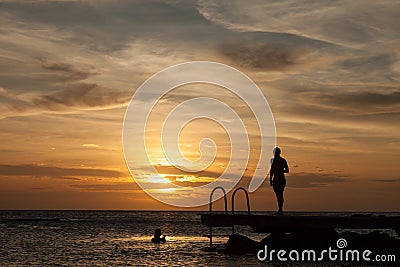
(107, 187)
(310, 180)
(82, 96)
(266, 56)
(354, 101)
(53, 171)
(388, 180)
(91, 145)
(64, 72)
(324, 20)
(78, 97)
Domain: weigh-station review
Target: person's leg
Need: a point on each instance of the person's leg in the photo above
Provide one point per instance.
(279, 197)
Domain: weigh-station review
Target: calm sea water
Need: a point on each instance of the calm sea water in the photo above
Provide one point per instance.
(112, 238)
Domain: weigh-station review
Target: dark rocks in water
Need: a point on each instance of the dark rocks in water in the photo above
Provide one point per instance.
(376, 241)
(298, 240)
(239, 244)
(397, 231)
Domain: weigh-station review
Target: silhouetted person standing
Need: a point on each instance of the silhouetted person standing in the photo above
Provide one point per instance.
(277, 177)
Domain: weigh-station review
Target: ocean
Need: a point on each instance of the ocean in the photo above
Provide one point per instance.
(113, 238)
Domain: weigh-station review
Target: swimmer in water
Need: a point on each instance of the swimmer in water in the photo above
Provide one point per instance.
(157, 237)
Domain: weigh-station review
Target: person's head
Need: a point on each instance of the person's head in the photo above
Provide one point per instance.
(277, 152)
(157, 233)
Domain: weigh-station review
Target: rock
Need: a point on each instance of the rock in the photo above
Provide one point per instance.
(300, 240)
(376, 241)
(239, 244)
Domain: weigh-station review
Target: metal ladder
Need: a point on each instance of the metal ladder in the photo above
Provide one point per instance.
(226, 206)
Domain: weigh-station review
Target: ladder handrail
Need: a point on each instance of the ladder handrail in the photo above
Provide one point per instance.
(226, 207)
(226, 202)
(247, 199)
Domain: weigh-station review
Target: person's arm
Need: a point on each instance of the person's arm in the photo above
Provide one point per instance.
(286, 168)
(271, 174)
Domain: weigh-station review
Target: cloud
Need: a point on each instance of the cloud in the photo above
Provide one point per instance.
(190, 184)
(67, 72)
(323, 20)
(68, 178)
(12, 104)
(77, 97)
(311, 180)
(364, 101)
(54, 172)
(107, 187)
(174, 173)
(105, 26)
(91, 145)
(342, 109)
(361, 47)
(356, 110)
(298, 180)
(266, 56)
(52, 52)
(82, 96)
(388, 180)
(193, 179)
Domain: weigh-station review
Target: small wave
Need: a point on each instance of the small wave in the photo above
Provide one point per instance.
(32, 219)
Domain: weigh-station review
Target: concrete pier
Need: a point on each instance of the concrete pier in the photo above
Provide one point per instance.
(261, 223)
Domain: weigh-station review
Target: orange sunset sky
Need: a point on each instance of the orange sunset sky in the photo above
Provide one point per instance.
(330, 71)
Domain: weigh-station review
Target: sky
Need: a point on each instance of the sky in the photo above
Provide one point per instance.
(330, 71)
